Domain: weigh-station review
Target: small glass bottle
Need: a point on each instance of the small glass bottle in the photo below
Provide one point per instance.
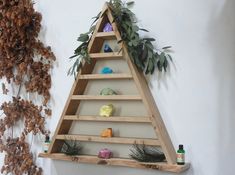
(46, 143)
(180, 156)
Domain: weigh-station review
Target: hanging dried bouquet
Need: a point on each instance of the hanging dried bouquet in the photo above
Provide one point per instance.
(24, 62)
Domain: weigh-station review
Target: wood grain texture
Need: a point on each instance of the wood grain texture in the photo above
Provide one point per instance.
(161, 166)
(133, 119)
(110, 55)
(117, 140)
(106, 35)
(106, 97)
(105, 76)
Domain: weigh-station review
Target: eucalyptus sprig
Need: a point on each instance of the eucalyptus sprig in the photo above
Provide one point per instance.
(141, 50)
(81, 52)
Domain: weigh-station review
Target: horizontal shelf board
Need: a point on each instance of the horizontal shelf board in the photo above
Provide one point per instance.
(106, 35)
(161, 166)
(106, 97)
(117, 140)
(109, 55)
(105, 76)
(133, 119)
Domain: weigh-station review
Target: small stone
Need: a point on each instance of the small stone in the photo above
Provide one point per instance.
(108, 27)
(107, 48)
(107, 91)
(106, 110)
(106, 70)
(105, 154)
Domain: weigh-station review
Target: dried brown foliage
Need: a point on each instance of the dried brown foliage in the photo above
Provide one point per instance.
(19, 44)
(19, 29)
(22, 109)
(18, 159)
(40, 80)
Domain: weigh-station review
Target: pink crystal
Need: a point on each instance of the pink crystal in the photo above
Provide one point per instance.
(105, 153)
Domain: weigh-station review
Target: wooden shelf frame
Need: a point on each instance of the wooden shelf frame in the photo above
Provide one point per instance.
(116, 140)
(105, 76)
(133, 119)
(106, 35)
(106, 97)
(154, 118)
(162, 166)
(110, 55)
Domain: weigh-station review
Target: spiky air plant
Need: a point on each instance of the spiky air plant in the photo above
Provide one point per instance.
(71, 147)
(143, 153)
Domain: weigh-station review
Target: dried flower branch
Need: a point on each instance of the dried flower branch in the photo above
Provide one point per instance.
(19, 46)
(19, 29)
(22, 109)
(18, 158)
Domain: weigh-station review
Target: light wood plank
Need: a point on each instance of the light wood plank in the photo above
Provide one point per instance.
(105, 76)
(161, 166)
(109, 55)
(153, 111)
(106, 97)
(99, 23)
(117, 140)
(71, 107)
(106, 35)
(133, 119)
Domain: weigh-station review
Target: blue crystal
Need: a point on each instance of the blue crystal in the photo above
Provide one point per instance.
(107, 48)
(106, 70)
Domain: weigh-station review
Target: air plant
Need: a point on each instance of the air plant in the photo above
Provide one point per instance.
(143, 153)
(71, 147)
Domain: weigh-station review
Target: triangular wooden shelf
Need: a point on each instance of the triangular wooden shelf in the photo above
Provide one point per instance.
(76, 95)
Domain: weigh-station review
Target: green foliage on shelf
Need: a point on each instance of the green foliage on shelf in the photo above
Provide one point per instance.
(141, 49)
(71, 147)
(143, 153)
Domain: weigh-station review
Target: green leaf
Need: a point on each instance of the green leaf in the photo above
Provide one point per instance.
(83, 38)
(73, 56)
(149, 45)
(169, 56)
(165, 64)
(135, 28)
(149, 39)
(92, 28)
(162, 58)
(131, 3)
(150, 54)
(143, 30)
(166, 47)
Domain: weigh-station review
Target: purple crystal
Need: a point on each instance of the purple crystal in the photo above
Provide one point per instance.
(108, 27)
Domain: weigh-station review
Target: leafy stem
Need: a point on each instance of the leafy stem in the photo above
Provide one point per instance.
(141, 49)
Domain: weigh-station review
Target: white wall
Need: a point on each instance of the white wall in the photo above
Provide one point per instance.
(196, 97)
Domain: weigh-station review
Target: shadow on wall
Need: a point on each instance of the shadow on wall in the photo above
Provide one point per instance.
(222, 41)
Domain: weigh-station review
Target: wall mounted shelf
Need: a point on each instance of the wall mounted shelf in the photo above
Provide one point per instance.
(163, 166)
(153, 117)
